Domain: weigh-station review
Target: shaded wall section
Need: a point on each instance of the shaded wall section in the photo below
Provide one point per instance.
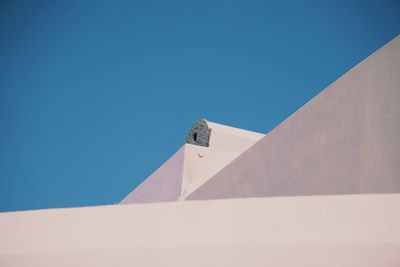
(346, 140)
(163, 185)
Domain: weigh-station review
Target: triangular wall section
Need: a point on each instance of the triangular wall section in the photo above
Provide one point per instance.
(344, 141)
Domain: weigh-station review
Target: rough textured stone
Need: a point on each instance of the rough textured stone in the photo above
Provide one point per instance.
(199, 134)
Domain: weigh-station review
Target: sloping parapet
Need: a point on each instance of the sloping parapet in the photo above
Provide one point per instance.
(163, 185)
(344, 141)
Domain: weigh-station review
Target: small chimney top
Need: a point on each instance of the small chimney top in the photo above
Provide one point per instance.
(199, 134)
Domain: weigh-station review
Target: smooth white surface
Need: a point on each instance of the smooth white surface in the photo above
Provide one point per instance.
(202, 163)
(231, 138)
(346, 230)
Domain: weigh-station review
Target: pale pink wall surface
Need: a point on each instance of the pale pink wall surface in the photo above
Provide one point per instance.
(346, 230)
(345, 140)
(163, 185)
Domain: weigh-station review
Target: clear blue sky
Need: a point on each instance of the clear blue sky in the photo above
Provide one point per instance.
(94, 96)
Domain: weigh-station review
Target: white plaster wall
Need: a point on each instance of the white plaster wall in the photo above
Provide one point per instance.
(231, 138)
(345, 230)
